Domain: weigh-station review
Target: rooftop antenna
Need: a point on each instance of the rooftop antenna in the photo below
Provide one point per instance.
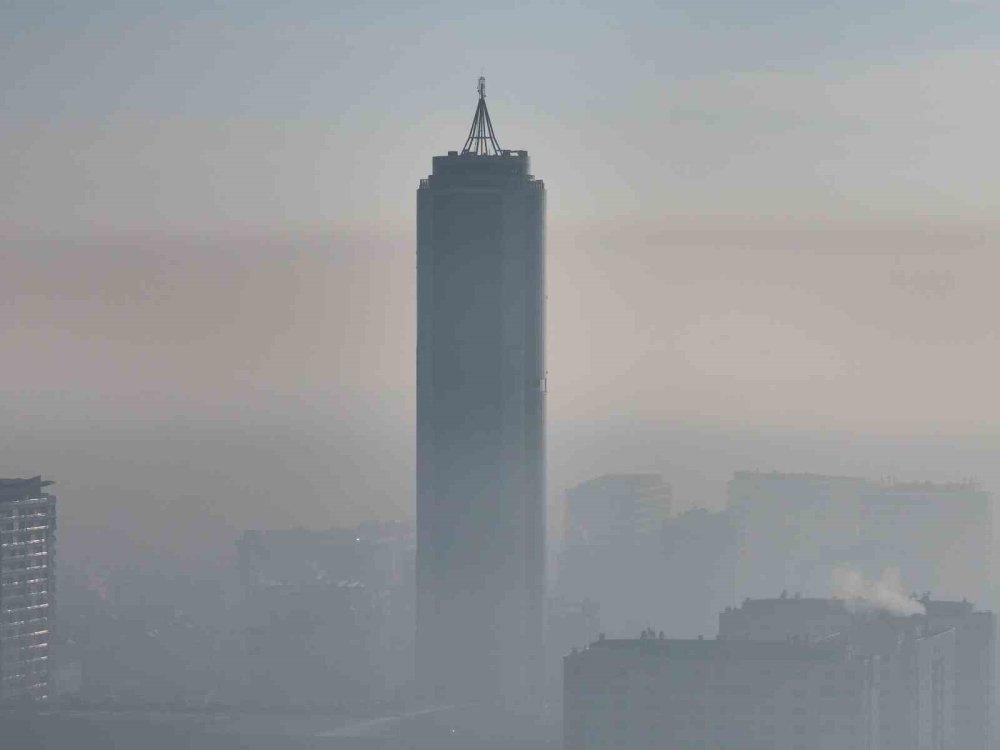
(482, 141)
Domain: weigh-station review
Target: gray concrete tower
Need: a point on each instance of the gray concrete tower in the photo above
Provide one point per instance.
(480, 423)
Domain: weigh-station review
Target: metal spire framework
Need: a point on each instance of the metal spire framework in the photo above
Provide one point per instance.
(482, 141)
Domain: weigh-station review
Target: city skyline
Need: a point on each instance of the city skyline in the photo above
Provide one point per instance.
(206, 215)
(353, 451)
(788, 201)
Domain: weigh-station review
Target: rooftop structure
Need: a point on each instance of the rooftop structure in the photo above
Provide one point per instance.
(482, 141)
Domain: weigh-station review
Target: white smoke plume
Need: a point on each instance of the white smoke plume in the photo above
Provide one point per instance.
(885, 594)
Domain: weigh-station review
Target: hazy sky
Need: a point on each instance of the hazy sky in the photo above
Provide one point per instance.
(761, 215)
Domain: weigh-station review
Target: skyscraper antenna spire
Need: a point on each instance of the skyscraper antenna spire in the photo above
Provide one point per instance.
(482, 141)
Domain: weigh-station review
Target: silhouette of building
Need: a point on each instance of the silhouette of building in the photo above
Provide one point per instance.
(616, 507)
(27, 587)
(480, 421)
(797, 529)
(702, 694)
(613, 533)
(377, 554)
(327, 614)
(700, 551)
(619, 527)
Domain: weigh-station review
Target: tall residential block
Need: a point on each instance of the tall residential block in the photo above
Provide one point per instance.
(27, 587)
(480, 421)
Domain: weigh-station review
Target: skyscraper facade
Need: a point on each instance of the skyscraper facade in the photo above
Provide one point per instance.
(27, 582)
(480, 421)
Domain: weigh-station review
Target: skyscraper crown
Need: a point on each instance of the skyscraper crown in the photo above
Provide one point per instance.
(482, 141)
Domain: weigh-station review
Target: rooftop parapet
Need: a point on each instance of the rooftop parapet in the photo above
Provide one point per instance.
(12, 490)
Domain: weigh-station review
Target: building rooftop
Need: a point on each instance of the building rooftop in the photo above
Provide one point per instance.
(698, 649)
(481, 162)
(884, 484)
(22, 489)
(637, 480)
(799, 603)
(932, 607)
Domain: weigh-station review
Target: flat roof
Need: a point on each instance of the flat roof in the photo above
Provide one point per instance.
(21, 489)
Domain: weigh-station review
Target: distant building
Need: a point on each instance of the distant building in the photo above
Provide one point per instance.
(707, 694)
(376, 554)
(937, 666)
(616, 507)
(312, 645)
(328, 614)
(698, 576)
(940, 535)
(27, 587)
(481, 423)
(612, 534)
(797, 529)
(625, 550)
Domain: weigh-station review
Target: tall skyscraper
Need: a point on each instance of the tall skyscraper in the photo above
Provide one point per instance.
(27, 582)
(480, 421)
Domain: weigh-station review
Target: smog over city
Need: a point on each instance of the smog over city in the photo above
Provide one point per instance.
(564, 375)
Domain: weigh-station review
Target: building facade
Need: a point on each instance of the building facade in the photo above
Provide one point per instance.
(652, 692)
(937, 684)
(480, 422)
(620, 528)
(975, 672)
(27, 587)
